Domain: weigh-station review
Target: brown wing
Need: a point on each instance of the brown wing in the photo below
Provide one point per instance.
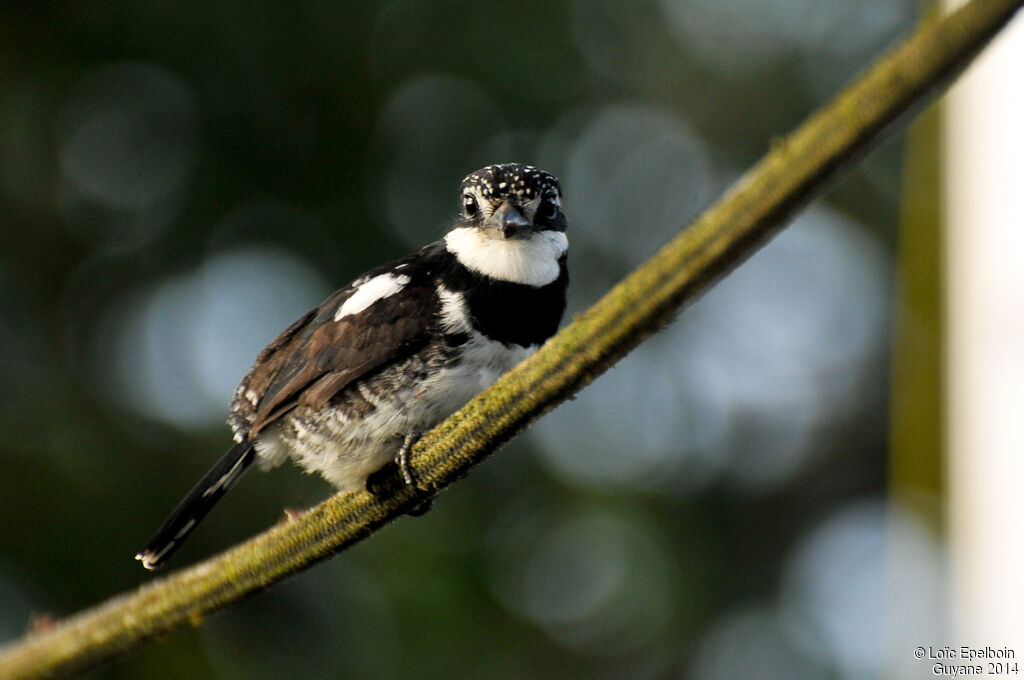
(317, 357)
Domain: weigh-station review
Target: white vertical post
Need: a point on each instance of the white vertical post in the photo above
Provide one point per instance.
(984, 189)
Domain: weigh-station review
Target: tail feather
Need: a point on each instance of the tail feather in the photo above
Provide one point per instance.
(196, 504)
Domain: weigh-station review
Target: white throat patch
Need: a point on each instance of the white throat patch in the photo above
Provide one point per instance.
(532, 261)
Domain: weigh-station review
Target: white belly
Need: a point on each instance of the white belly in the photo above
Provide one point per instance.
(347, 450)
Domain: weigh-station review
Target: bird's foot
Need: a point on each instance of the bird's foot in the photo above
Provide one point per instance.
(292, 514)
(402, 458)
(384, 481)
(402, 461)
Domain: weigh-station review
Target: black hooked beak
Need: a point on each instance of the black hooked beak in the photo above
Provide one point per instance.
(508, 219)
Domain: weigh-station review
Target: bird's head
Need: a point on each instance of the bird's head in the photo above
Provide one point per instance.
(512, 201)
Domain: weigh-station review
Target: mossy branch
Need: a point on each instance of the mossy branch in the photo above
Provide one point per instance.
(747, 215)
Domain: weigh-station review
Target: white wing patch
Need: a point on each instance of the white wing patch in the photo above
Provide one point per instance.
(368, 292)
(531, 261)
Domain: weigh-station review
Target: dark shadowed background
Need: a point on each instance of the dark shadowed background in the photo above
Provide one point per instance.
(180, 181)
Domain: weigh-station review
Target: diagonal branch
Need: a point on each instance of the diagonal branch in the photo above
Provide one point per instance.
(795, 170)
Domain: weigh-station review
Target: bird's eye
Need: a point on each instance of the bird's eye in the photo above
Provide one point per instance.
(547, 210)
(470, 205)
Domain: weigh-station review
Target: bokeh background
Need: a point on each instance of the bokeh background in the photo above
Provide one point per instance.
(180, 181)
